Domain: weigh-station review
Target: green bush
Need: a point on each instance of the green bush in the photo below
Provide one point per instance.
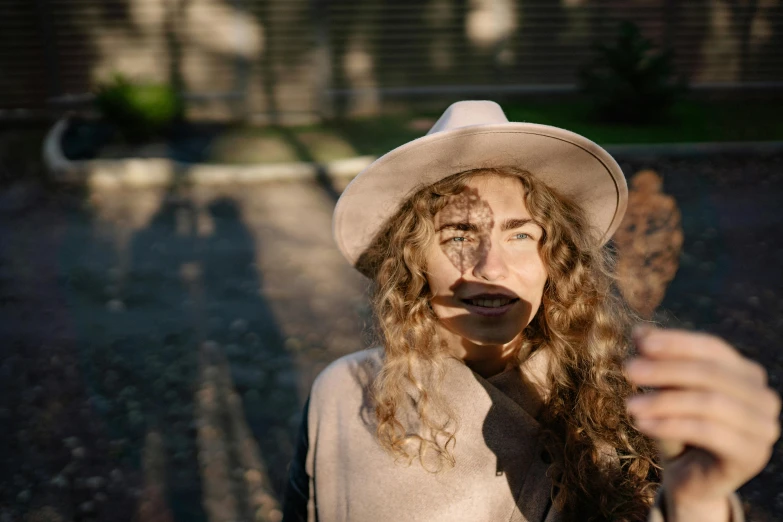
(141, 111)
(630, 81)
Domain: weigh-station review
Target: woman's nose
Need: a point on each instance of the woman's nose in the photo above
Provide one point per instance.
(491, 265)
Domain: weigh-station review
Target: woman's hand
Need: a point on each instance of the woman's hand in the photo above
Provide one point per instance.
(714, 403)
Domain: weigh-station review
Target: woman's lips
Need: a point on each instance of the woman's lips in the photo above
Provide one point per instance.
(489, 307)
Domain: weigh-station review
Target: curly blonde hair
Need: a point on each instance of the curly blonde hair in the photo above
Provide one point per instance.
(602, 468)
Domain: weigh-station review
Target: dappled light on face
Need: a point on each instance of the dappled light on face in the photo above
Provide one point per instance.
(464, 229)
(485, 273)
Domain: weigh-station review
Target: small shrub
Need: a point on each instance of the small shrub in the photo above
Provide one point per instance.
(630, 81)
(140, 111)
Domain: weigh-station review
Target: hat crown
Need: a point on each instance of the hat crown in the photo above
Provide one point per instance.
(468, 113)
(470, 135)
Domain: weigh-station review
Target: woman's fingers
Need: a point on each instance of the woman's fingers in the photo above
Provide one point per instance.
(682, 344)
(730, 447)
(704, 376)
(656, 343)
(681, 360)
(709, 399)
(755, 420)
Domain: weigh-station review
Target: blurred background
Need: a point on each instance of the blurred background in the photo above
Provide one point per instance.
(169, 287)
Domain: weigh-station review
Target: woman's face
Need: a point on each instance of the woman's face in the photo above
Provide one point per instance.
(483, 266)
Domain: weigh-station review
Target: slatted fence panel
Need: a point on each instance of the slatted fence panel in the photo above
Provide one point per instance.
(285, 58)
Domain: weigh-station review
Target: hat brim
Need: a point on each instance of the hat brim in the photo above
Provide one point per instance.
(565, 161)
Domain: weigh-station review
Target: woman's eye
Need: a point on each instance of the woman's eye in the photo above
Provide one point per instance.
(458, 239)
(522, 235)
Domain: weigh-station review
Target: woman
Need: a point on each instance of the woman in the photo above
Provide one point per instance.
(501, 389)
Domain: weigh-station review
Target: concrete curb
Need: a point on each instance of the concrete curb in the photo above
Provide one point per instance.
(142, 172)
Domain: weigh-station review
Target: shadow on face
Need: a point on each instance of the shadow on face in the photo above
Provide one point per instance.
(484, 268)
(466, 212)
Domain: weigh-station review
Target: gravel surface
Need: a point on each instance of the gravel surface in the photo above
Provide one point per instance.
(120, 312)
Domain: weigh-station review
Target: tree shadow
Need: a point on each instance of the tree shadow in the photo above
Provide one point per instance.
(53, 274)
(163, 364)
(190, 320)
(121, 350)
(304, 154)
(242, 321)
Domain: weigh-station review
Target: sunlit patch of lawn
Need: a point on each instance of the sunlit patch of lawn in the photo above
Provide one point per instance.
(249, 146)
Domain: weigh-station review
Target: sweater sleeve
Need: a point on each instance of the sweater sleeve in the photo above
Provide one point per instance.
(658, 511)
(297, 489)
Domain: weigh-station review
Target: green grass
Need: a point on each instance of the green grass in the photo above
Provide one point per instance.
(689, 121)
(376, 136)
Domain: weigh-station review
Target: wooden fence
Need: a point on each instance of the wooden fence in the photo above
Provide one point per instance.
(296, 59)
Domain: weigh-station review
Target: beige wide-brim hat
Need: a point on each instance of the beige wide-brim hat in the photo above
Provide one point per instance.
(477, 134)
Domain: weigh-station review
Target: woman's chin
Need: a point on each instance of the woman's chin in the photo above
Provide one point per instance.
(481, 335)
(491, 341)
(495, 337)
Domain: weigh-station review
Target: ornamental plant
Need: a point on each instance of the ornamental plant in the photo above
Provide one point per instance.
(629, 80)
(141, 111)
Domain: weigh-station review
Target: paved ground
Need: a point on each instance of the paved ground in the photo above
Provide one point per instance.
(157, 345)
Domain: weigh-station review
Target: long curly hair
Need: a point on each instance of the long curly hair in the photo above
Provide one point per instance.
(602, 468)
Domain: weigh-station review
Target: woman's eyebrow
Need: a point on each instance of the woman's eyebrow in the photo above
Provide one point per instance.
(511, 224)
(461, 226)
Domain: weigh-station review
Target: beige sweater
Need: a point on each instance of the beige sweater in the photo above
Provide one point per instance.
(500, 471)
